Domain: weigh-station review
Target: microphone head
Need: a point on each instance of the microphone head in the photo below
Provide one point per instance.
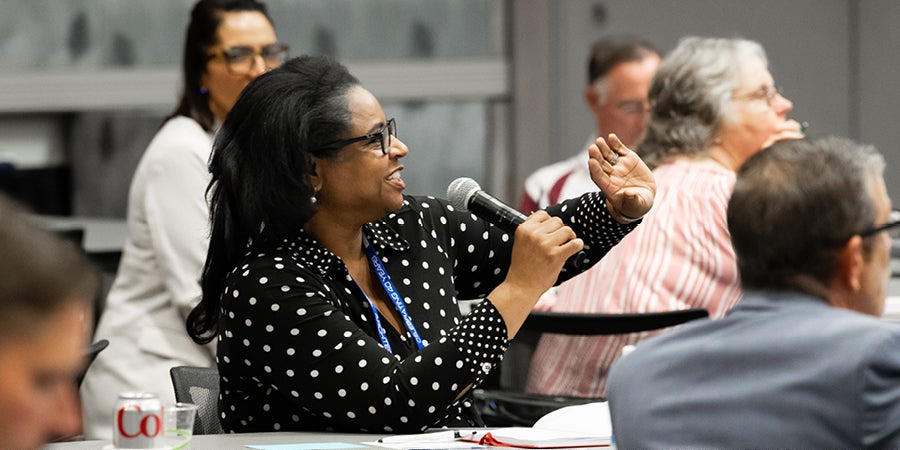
(461, 191)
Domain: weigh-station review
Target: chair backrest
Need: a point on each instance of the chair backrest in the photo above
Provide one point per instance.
(90, 356)
(597, 324)
(515, 364)
(200, 386)
(509, 405)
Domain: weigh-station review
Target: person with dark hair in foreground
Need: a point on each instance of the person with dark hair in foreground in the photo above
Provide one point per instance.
(802, 361)
(333, 297)
(46, 289)
(227, 44)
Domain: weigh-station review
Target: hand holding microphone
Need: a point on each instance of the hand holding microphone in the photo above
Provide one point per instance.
(465, 194)
(542, 245)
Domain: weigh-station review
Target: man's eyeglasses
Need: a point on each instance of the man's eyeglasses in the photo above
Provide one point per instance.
(634, 107)
(892, 227)
(383, 136)
(240, 59)
(766, 93)
(630, 107)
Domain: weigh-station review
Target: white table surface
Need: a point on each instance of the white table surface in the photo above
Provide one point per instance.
(238, 441)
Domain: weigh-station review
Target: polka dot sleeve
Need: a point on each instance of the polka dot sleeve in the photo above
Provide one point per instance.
(591, 221)
(481, 338)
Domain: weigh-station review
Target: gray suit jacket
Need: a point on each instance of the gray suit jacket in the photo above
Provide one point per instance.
(780, 370)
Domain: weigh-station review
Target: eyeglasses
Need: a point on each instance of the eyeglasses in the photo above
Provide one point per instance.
(892, 227)
(767, 93)
(384, 136)
(634, 107)
(240, 59)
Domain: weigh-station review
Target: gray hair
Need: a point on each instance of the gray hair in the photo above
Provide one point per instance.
(795, 204)
(690, 94)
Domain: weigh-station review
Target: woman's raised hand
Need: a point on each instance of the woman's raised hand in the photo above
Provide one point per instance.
(623, 177)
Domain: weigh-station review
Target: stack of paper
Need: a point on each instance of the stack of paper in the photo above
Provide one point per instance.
(573, 426)
(540, 438)
(570, 427)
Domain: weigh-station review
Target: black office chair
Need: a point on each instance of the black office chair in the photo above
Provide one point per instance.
(601, 324)
(200, 386)
(509, 406)
(90, 356)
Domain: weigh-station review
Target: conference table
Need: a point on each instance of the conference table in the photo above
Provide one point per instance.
(282, 440)
(296, 440)
(291, 440)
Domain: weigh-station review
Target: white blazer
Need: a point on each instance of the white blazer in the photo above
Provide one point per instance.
(157, 282)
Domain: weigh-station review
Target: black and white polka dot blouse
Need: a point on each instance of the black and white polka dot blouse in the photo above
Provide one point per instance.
(298, 348)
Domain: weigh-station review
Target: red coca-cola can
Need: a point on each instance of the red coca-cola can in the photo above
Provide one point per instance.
(138, 421)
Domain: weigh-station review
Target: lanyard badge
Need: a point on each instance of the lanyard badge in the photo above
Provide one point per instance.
(392, 293)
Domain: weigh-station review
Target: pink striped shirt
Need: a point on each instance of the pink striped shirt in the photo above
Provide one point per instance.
(679, 257)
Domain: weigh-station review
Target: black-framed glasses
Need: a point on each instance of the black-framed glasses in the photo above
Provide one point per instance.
(892, 227)
(383, 136)
(766, 93)
(240, 59)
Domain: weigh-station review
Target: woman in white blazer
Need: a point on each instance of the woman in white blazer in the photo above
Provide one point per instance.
(228, 43)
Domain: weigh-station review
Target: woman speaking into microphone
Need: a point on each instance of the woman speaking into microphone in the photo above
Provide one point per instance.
(333, 297)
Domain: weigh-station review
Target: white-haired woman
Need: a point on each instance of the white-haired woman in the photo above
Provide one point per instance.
(713, 105)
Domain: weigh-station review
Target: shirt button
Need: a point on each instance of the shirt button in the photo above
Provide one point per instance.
(486, 368)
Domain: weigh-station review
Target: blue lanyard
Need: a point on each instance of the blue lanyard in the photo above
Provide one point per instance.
(391, 291)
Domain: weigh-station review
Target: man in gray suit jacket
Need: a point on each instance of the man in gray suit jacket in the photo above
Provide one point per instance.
(802, 361)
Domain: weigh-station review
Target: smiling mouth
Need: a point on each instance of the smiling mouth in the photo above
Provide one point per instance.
(395, 179)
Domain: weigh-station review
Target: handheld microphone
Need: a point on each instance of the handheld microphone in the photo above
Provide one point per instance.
(466, 195)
